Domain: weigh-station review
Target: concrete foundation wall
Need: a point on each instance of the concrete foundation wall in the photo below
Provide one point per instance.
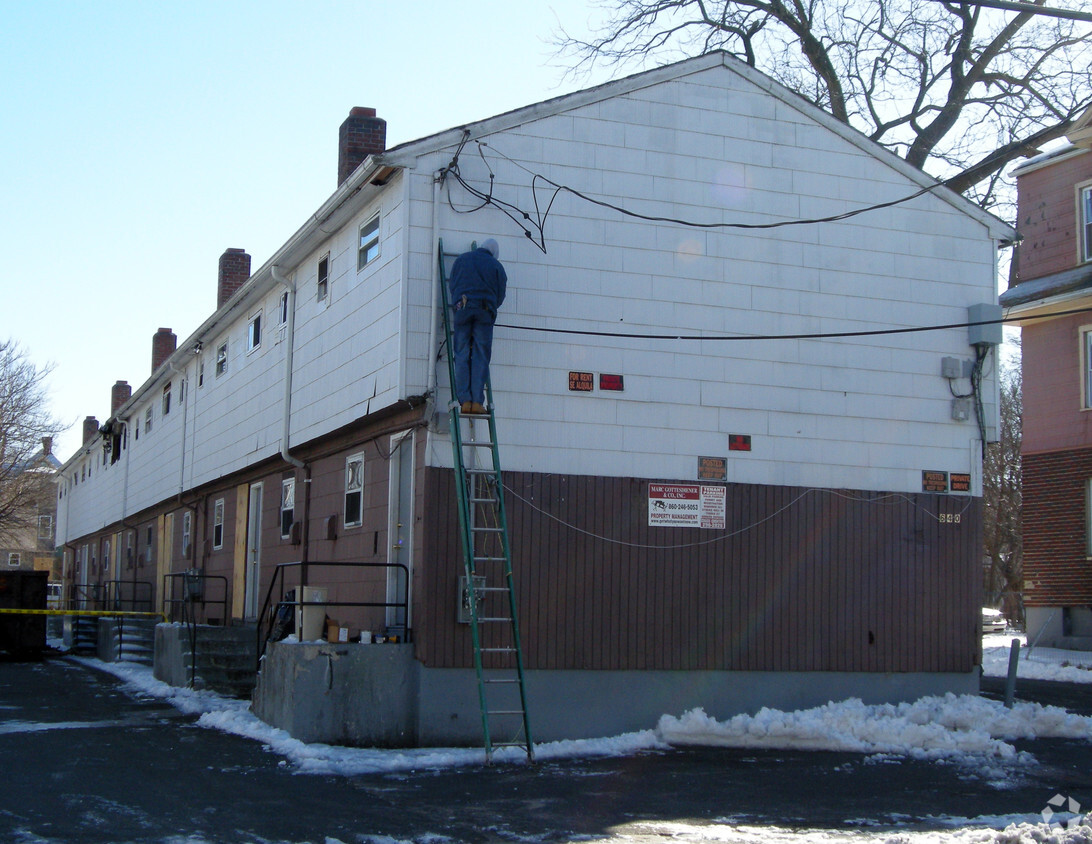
(592, 704)
(379, 695)
(354, 694)
(1043, 625)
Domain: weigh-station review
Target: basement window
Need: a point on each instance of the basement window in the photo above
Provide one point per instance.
(14, 559)
(368, 250)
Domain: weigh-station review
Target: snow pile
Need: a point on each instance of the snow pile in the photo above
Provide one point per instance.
(929, 728)
(1038, 664)
(1015, 832)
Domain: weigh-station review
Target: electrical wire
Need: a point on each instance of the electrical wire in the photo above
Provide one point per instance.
(530, 226)
(826, 335)
(885, 500)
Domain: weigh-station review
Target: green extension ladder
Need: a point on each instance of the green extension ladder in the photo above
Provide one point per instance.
(487, 594)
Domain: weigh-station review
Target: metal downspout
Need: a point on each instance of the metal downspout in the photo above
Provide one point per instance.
(286, 429)
(430, 388)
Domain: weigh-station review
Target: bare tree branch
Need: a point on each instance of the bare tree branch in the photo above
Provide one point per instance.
(955, 89)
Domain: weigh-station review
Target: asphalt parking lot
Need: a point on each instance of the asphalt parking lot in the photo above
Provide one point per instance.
(88, 761)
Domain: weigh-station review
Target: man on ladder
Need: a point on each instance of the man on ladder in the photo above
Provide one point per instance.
(477, 286)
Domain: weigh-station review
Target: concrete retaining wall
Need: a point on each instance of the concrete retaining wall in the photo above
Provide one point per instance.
(352, 694)
(379, 695)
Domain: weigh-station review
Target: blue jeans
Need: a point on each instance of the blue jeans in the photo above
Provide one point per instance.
(472, 345)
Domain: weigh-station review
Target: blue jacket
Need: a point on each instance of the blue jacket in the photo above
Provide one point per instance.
(480, 277)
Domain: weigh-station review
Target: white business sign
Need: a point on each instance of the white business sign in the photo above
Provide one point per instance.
(686, 505)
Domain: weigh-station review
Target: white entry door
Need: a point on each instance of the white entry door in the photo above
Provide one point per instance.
(253, 551)
(400, 528)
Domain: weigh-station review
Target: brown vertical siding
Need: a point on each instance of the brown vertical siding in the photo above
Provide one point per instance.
(800, 580)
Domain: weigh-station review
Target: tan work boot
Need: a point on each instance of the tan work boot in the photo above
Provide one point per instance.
(478, 409)
(467, 407)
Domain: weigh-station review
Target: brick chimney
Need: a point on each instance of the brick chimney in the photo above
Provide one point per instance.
(233, 274)
(90, 429)
(120, 393)
(362, 134)
(47, 446)
(163, 345)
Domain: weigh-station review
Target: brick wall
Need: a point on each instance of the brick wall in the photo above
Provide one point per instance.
(362, 134)
(164, 343)
(1057, 571)
(233, 272)
(1047, 217)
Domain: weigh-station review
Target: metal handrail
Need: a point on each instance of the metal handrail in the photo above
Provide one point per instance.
(171, 603)
(267, 615)
(115, 599)
(88, 592)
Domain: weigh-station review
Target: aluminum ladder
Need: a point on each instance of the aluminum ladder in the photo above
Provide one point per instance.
(487, 594)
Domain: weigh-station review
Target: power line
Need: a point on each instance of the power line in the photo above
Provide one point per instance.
(1008, 5)
(829, 335)
(538, 222)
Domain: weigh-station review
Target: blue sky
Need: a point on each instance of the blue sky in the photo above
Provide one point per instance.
(141, 139)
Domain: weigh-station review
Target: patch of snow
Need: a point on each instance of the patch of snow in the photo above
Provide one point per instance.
(1036, 664)
(929, 728)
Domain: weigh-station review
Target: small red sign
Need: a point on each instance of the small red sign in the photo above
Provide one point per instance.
(934, 481)
(611, 382)
(960, 482)
(739, 442)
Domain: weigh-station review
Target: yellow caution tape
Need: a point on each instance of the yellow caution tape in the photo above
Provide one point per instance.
(115, 613)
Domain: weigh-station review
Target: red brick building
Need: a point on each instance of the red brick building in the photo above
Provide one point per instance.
(1051, 292)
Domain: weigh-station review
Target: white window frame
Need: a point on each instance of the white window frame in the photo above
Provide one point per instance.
(288, 506)
(1088, 519)
(254, 332)
(187, 532)
(368, 243)
(149, 415)
(322, 280)
(1085, 333)
(167, 399)
(15, 559)
(1084, 221)
(354, 486)
(218, 524)
(105, 556)
(45, 521)
(221, 359)
(282, 310)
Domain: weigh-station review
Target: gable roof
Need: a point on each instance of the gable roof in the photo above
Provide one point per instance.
(404, 154)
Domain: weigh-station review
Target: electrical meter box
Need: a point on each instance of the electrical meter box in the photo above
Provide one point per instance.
(988, 334)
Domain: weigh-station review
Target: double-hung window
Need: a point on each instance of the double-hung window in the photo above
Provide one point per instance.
(322, 288)
(167, 398)
(1086, 367)
(148, 420)
(288, 506)
(354, 490)
(1085, 200)
(187, 533)
(218, 524)
(368, 250)
(254, 332)
(221, 359)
